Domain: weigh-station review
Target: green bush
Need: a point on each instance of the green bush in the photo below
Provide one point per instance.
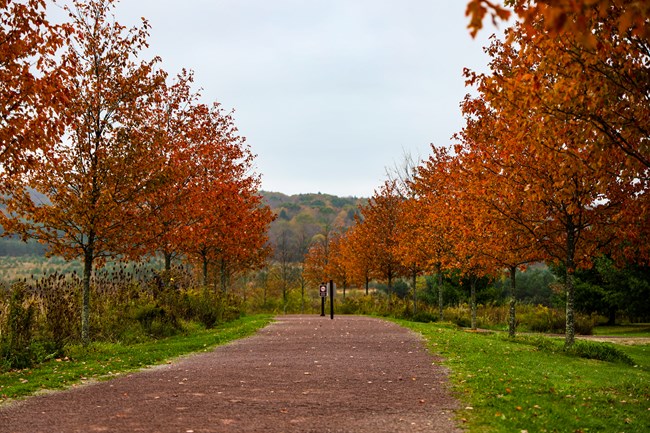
(17, 349)
(584, 349)
(157, 322)
(600, 351)
(424, 317)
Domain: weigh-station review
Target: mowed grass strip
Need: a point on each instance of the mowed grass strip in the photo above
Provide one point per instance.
(514, 386)
(101, 361)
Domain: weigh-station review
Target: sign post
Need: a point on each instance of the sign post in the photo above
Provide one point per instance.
(323, 294)
(331, 299)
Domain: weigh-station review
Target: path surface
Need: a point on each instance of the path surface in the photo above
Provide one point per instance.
(300, 374)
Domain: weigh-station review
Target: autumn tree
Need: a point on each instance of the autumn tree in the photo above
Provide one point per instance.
(432, 234)
(32, 94)
(573, 192)
(358, 254)
(316, 260)
(380, 218)
(94, 179)
(176, 125)
(228, 221)
(337, 268)
(495, 240)
(316, 267)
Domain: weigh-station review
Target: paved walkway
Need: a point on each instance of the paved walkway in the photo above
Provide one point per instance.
(300, 374)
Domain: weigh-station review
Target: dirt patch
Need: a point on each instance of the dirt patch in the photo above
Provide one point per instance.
(629, 341)
(300, 374)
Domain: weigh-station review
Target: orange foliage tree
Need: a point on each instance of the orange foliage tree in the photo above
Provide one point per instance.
(94, 179)
(174, 125)
(358, 254)
(557, 183)
(466, 234)
(432, 234)
(380, 219)
(315, 263)
(227, 221)
(31, 95)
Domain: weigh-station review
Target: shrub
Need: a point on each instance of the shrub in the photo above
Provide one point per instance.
(600, 351)
(156, 321)
(17, 349)
(584, 349)
(424, 317)
(61, 307)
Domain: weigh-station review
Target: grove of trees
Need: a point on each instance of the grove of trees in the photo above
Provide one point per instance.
(104, 155)
(552, 164)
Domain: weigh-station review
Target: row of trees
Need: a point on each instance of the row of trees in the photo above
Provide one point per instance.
(552, 165)
(104, 155)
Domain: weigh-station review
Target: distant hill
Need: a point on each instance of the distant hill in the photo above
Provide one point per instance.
(316, 208)
(301, 217)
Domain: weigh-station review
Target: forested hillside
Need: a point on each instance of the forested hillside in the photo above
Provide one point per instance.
(299, 217)
(302, 217)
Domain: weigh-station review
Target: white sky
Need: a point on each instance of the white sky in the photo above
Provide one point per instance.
(328, 93)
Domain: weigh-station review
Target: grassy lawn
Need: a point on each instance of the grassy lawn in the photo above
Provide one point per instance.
(101, 361)
(514, 386)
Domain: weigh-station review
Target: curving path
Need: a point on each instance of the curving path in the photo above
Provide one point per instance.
(300, 374)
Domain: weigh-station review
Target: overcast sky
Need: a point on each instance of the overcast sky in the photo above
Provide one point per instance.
(328, 93)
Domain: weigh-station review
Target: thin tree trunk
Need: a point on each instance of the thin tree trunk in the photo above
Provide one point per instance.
(302, 296)
(168, 261)
(205, 270)
(569, 285)
(415, 295)
(89, 254)
(440, 294)
(225, 278)
(367, 284)
(473, 300)
(512, 320)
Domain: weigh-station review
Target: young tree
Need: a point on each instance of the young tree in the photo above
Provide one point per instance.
(573, 193)
(358, 254)
(229, 221)
(433, 235)
(96, 177)
(176, 125)
(381, 217)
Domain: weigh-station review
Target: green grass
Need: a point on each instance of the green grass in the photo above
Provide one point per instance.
(101, 361)
(640, 330)
(516, 386)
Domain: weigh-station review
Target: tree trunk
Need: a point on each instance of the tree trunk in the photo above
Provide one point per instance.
(367, 284)
(611, 321)
(415, 295)
(440, 294)
(569, 286)
(512, 320)
(205, 269)
(89, 254)
(168, 261)
(224, 276)
(473, 300)
(302, 295)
